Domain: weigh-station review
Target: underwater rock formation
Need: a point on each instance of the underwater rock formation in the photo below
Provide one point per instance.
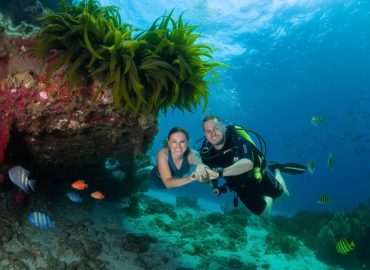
(52, 130)
(22, 10)
(321, 231)
(82, 88)
(353, 225)
(27, 11)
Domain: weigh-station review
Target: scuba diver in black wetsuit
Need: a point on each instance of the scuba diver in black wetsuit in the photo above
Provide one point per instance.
(232, 154)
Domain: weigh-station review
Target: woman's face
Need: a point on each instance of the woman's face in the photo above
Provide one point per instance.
(178, 143)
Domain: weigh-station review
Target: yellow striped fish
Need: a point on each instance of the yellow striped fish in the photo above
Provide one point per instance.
(343, 247)
(324, 199)
(317, 120)
(330, 161)
(311, 166)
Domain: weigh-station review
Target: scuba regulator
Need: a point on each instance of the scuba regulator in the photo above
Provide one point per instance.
(216, 189)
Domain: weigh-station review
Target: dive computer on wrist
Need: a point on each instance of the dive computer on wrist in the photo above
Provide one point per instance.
(220, 171)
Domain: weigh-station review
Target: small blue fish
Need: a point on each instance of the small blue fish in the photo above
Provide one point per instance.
(40, 220)
(19, 176)
(118, 175)
(111, 164)
(74, 197)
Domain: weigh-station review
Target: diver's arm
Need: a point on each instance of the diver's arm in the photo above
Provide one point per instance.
(195, 159)
(241, 166)
(165, 172)
(245, 162)
(200, 172)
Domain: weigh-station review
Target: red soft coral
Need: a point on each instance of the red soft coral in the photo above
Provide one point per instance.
(4, 135)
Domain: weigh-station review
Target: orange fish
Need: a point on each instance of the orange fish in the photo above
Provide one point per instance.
(97, 195)
(80, 185)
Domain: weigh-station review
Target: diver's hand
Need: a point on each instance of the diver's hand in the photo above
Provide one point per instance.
(193, 177)
(212, 175)
(201, 177)
(201, 170)
(201, 167)
(201, 173)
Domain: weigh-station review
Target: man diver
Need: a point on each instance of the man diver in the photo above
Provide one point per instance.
(232, 154)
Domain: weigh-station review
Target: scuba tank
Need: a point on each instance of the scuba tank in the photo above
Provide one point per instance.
(260, 164)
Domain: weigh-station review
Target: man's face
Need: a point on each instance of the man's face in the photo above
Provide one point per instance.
(215, 132)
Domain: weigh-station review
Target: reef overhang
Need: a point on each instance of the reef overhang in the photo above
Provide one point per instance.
(85, 87)
(54, 130)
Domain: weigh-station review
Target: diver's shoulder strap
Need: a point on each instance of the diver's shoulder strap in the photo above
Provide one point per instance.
(237, 131)
(205, 149)
(205, 145)
(243, 133)
(259, 161)
(232, 133)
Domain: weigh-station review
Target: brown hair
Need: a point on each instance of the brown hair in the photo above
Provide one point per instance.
(178, 129)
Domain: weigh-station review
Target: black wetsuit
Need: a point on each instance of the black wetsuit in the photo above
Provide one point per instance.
(249, 190)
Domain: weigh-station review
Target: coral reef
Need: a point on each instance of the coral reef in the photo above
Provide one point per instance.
(137, 243)
(59, 133)
(279, 243)
(145, 205)
(81, 88)
(99, 235)
(22, 11)
(160, 68)
(211, 240)
(77, 242)
(322, 231)
(353, 225)
(305, 225)
(26, 12)
(187, 202)
(7, 27)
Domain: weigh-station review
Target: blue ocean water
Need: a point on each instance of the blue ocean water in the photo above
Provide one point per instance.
(289, 60)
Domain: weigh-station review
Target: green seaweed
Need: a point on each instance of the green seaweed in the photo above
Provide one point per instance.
(160, 68)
